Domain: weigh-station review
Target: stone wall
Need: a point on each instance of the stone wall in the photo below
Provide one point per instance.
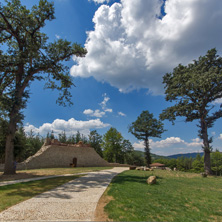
(60, 155)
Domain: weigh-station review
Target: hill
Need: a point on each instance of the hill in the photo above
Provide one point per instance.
(154, 156)
(175, 156)
(188, 155)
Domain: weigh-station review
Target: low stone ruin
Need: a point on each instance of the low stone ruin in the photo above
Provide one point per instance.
(55, 154)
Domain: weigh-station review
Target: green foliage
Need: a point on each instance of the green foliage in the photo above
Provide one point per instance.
(135, 158)
(216, 158)
(95, 140)
(62, 137)
(116, 148)
(27, 57)
(144, 127)
(112, 145)
(194, 88)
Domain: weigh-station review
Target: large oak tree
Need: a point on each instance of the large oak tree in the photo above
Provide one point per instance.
(194, 88)
(26, 56)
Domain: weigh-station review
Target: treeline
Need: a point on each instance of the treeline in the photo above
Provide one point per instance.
(195, 165)
(111, 146)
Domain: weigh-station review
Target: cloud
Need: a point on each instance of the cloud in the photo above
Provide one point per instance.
(71, 126)
(57, 36)
(108, 110)
(121, 114)
(104, 102)
(132, 48)
(169, 143)
(100, 1)
(220, 137)
(217, 101)
(96, 113)
(213, 133)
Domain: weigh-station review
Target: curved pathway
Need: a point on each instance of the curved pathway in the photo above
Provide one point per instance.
(73, 201)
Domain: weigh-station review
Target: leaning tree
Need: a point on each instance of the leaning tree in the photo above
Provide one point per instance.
(194, 88)
(26, 56)
(143, 128)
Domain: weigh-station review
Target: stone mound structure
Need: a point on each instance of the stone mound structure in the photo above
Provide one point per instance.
(55, 154)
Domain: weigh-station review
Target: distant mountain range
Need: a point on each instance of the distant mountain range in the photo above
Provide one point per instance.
(188, 155)
(175, 156)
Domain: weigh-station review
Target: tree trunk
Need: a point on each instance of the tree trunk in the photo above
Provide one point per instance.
(9, 150)
(207, 162)
(14, 118)
(206, 147)
(147, 151)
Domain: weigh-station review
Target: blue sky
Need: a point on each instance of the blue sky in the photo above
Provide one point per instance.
(131, 45)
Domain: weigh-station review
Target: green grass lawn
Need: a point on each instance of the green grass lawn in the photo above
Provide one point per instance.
(16, 193)
(177, 196)
(24, 174)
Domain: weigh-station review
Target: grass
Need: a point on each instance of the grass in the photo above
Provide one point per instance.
(16, 193)
(177, 196)
(23, 174)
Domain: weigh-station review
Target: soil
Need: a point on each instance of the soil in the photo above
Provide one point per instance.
(100, 214)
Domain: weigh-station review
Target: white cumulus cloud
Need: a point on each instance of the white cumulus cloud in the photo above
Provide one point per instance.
(169, 142)
(220, 137)
(71, 126)
(131, 47)
(96, 113)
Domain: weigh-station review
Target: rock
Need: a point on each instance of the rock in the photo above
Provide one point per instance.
(139, 168)
(151, 180)
(167, 168)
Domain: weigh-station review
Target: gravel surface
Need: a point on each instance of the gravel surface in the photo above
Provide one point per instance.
(73, 201)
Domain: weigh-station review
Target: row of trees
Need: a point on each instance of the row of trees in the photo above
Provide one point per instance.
(28, 56)
(112, 146)
(194, 164)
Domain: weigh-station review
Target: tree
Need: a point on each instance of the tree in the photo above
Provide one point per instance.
(78, 137)
(62, 137)
(217, 162)
(95, 141)
(194, 88)
(143, 128)
(112, 145)
(29, 57)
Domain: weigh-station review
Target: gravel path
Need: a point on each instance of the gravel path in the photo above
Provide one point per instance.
(73, 201)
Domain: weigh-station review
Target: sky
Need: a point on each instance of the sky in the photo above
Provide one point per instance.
(131, 45)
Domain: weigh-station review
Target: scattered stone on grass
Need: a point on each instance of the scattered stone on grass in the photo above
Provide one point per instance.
(151, 180)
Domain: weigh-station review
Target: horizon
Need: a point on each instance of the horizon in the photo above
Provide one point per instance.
(131, 45)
